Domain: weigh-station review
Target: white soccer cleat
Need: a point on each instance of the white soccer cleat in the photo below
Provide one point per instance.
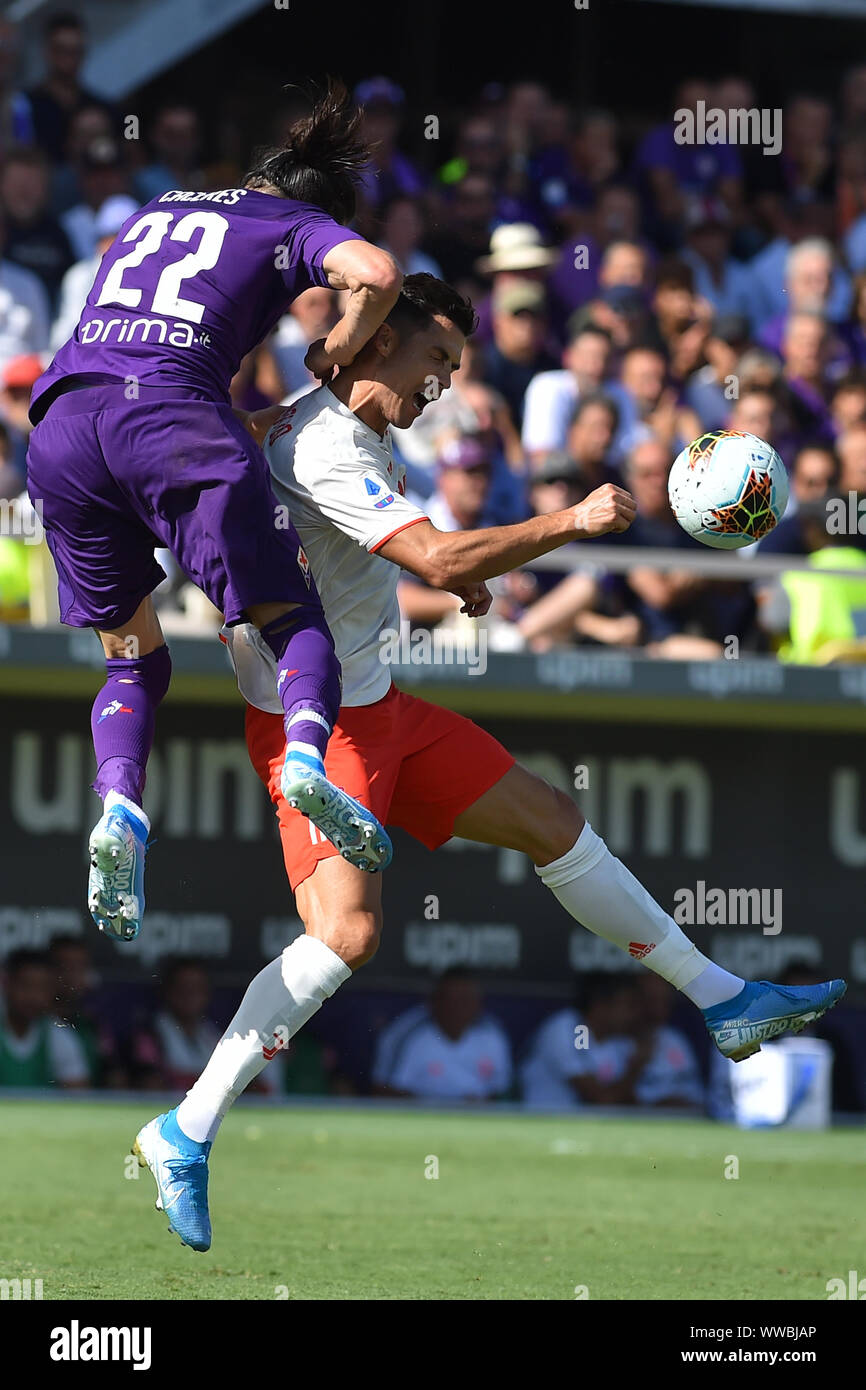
(115, 887)
(349, 826)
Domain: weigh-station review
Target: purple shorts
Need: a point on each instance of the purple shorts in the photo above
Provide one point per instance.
(115, 478)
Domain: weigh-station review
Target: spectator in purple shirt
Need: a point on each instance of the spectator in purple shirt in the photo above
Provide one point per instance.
(481, 148)
(574, 280)
(805, 350)
(619, 300)
(669, 171)
(566, 180)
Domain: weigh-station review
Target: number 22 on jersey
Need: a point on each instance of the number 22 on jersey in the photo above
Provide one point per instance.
(166, 298)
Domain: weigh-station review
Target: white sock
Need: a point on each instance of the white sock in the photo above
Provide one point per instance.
(277, 1004)
(117, 799)
(308, 749)
(600, 893)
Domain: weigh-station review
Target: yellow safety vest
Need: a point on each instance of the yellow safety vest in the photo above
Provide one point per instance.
(14, 580)
(823, 606)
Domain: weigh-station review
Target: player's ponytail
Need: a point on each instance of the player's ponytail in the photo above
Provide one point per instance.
(323, 156)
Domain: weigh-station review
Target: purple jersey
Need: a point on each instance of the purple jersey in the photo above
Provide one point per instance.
(191, 283)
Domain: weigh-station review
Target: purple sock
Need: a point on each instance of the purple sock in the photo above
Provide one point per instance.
(308, 675)
(123, 719)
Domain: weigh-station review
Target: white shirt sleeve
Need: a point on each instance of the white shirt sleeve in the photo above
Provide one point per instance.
(349, 487)
(68, 1058)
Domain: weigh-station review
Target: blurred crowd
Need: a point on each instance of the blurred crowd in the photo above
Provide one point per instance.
(620, 1043)
(58, 1029)
(633, 293)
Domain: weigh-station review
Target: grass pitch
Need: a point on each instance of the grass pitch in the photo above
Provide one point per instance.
(335, 1204)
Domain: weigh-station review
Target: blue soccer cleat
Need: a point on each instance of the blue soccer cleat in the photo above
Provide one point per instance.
(115, 888)
(762, 1011)
(179, 1167)
(348, 825)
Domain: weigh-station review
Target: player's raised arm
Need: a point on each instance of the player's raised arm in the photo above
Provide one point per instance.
(373, 280)
(453, 559)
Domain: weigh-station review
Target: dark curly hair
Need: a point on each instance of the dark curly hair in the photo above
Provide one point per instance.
(323, 157)
(422, 297)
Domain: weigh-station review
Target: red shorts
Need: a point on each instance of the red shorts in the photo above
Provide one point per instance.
(415, 765)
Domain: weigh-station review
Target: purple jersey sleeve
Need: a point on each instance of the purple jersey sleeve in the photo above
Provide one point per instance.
(308, 243)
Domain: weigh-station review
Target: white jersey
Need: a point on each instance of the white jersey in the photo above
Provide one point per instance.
(344, 493)
(555, 1059)
(415, 1055)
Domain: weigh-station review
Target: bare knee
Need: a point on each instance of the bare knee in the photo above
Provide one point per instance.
(353, 935)
(558, 829)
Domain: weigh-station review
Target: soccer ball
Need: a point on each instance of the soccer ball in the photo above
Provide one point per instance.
(728, 489)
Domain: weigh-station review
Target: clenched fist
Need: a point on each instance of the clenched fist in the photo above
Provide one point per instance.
(477, 599)
(608, 508)
(318, 362)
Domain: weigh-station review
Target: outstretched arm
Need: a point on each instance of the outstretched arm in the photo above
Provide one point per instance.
(460, 561)
(455, 559)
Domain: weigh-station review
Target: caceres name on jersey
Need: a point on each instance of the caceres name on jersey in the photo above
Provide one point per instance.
(191, 283)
